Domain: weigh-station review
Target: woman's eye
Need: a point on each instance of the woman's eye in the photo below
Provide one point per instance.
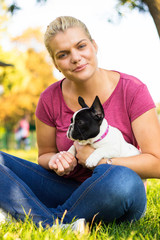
(62, 55)
(82, 46)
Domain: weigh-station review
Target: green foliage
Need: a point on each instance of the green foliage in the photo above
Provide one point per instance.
(3, 16)
(23, 83)
(147, 228)
(13, 7)
(134, 4)
(30, 155)
(10, 77)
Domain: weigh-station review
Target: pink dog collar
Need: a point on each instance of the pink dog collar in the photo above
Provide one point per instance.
(103, 136)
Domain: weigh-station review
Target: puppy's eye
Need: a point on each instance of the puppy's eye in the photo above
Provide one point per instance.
(80, 122)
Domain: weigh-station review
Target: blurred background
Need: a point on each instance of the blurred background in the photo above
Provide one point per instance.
(126, 31)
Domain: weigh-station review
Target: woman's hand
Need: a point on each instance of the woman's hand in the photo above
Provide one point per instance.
(83, 152)
(62, 163)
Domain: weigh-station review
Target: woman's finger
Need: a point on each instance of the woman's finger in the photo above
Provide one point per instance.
(60, 170)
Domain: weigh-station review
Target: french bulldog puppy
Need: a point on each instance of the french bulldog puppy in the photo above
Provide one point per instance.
(88, 126)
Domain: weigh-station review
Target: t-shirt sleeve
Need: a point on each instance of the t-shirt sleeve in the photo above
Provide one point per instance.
(44, 112)
(140, 103)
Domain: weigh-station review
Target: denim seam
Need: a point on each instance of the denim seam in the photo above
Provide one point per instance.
(88, 189)
(21, 186)
(144, 211)
(37, 171)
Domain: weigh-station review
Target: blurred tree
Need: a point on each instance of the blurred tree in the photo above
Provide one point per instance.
(4, 17)
(31, 37)
(9, 74)
(32, 73)
(13, 6)
(153, 6)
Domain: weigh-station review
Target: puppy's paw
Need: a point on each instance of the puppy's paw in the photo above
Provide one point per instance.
(94, 158)
(72, 150)
(91, 162)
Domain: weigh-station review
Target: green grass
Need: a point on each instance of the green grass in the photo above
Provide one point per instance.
(147, 228)
(30, 155)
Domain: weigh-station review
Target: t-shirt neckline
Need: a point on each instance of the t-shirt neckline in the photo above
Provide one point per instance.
(104, 104)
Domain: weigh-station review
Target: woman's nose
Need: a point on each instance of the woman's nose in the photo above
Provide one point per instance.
(75, 56)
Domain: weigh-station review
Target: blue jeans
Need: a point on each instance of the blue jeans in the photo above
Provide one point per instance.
(111, 193)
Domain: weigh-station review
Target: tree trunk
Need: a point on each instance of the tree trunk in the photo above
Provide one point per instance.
(154, 8)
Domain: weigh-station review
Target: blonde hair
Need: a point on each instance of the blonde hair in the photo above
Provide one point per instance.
(61, 24)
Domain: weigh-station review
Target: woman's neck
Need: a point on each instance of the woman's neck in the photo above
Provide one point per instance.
(90, 86)
(102, 85)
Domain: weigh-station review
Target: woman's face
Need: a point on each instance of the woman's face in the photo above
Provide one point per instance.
(74, 54)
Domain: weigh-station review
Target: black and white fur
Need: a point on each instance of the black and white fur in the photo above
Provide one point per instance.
(88, 126)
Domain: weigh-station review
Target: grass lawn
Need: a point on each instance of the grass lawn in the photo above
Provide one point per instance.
(147, 228)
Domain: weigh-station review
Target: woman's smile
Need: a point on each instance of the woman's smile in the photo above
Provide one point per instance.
(80, 68)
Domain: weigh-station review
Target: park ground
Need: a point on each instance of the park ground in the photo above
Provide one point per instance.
(147, 228)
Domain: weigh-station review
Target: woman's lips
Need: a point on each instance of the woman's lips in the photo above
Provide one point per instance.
(80, 68)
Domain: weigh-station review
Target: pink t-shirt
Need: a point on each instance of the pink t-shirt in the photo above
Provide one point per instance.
(129, 100)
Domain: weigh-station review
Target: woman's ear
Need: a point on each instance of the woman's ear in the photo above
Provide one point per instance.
(95, 45)
(56, 66)
(58, 69)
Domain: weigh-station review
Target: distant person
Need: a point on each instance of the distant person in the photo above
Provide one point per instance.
(22, 133)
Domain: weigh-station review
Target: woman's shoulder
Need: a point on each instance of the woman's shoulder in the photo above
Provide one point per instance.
(52, 89)
(52, 93)
(137, 95)
(130, 80)
(129, 85)
(49, 103)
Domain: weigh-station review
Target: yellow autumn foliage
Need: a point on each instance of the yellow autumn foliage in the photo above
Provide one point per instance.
(23, 84)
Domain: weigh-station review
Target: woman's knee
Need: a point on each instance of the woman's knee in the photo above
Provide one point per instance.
(118, 179)
(120, 191)
(1, 157)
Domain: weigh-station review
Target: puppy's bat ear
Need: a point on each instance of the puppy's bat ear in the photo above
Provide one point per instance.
(82, 102)
(97, 109)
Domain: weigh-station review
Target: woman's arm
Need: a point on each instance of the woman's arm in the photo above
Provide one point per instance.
(146, 129)
(48, 156)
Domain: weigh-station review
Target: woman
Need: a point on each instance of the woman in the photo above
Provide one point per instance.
(62, 183)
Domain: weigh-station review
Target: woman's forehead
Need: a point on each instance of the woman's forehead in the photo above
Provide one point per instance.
(70, 36)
